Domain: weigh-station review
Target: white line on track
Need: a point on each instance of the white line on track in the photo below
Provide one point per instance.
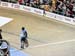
(61, 42)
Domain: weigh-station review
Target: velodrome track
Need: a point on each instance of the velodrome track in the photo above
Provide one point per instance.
(46, 37)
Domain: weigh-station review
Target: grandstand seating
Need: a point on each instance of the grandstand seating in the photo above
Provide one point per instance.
(61, 7)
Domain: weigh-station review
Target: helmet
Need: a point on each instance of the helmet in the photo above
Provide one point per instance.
(23, 28)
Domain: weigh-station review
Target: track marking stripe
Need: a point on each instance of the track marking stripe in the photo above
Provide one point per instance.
(61, 42)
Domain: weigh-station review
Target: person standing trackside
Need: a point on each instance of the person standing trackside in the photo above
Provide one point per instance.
(23, 38)
(0, 34)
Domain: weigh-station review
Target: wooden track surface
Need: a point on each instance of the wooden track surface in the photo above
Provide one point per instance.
(41, 31)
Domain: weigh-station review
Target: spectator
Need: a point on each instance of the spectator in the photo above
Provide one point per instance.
(64, 9)
(74, 8)
(53, 5)
(36, 4)
(46, 7)
(20, 1)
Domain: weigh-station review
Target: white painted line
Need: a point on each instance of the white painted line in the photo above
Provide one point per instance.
(56, 43)
(4, 20)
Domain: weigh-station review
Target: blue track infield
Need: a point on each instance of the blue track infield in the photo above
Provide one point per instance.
(15, 52)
